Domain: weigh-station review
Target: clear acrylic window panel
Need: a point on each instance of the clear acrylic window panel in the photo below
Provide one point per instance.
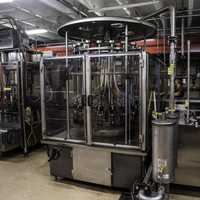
(55, 98)
(115, 99)
(64, 99)
(76, 99)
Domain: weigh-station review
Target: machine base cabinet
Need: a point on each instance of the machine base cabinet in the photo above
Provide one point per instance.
(9, 139)
(97, 166)
(92, 166)
(60, 162)
(126, 170)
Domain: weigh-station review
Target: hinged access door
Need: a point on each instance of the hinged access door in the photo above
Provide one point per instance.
(63, 98)
(116, 90)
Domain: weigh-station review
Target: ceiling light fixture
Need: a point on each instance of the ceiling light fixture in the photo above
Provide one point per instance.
(6, 1)
(133, 5)
(36, 31)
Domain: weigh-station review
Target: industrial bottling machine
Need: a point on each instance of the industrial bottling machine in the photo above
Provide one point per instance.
(19, 90)
(97, 105)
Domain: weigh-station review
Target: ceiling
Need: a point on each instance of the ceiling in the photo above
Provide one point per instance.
(50, 14)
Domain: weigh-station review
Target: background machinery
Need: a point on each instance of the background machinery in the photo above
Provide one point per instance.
(19, 89)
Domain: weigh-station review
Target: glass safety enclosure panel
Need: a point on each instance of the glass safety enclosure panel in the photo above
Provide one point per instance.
(75, 87)
(9, 96)
(53, 98)
(116, 99)
(63, 99)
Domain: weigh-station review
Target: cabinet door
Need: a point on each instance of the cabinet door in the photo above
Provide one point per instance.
(92, 166)
(63, 99)
(116, 99)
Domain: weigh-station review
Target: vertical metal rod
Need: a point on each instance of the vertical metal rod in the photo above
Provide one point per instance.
(164, 38)
(172, 57)
(42, 93)
(126, 86)
(88, 107)
(188, 80)
(22, 105)
(110, 76)
(109, 80)
(143, 98)
(84, 94)
(154, 100)
(67, 86)
(182, 37)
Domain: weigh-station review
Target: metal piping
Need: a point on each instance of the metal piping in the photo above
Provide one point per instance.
(125, 9)
(172, 41)
(182, 37)
(42, 91)
(126, 86)
(156, 13)
(190, 6)
(177, 17)
(31, 13)
(188, 80)
(90, 4)
(67, 87)
(172, 56)
(88, 86)
(60, 7)
(135, 5)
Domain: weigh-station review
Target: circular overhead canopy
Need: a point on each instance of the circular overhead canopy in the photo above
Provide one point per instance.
(107, 28)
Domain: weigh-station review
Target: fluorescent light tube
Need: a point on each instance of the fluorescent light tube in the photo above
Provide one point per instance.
(36, 31)
(6, 1)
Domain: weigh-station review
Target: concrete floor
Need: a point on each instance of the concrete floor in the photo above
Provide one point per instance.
(28, 179)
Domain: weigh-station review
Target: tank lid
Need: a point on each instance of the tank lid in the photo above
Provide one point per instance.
(165, 122)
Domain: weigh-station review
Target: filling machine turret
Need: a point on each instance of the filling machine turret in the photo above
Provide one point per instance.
(96, 103)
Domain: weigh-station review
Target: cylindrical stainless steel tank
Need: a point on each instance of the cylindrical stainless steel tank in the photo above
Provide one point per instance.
(164, 150)
(174, 117)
